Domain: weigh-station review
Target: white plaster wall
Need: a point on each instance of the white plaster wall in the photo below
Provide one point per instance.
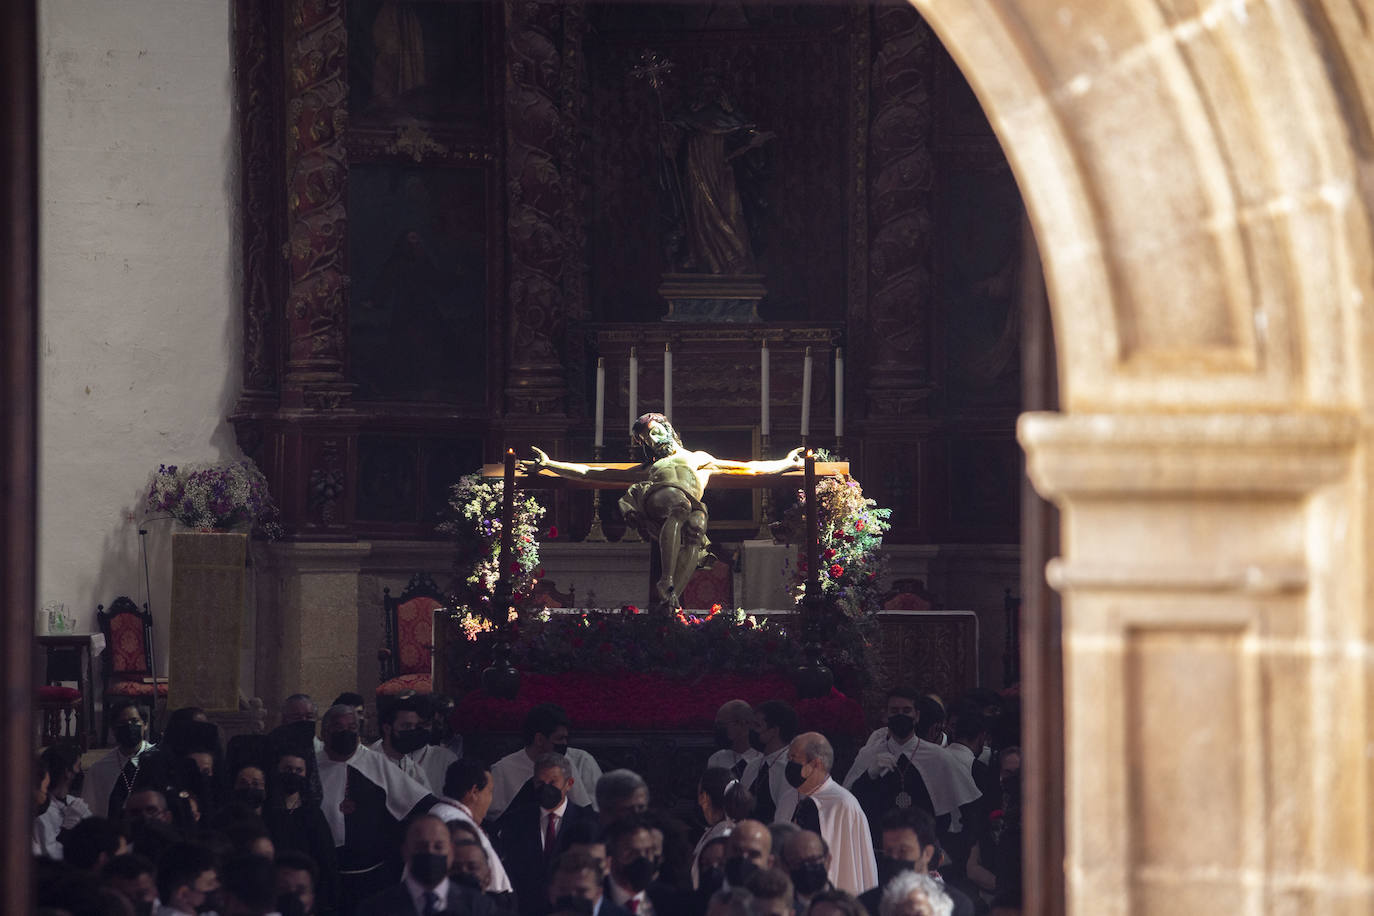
(139, 290)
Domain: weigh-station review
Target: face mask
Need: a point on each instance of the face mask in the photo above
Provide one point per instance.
(639, 874)
(889, 868)
(793, 774)
(409, 740)
(428, 868)
(291, 783)
(128, 734)
(901, 726)
(722, 739)
(710, 879)
(756, 740)
(342, 743)
(739, 870)
(250, 796)
(809, 878)
(549, 796)
(572, 905)
(561, 748)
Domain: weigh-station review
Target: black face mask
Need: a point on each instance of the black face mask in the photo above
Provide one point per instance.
(428, 868)
(901, 726)
(411, 739)
(739, 870)
(793, 775)
(291, 783)
(889, 868)
(549, 796)
(342, 743)
(722, 738)
(572, 905)
(639, 874)
(710, 879)
(561, 748)
(756, 740)
(128, 734)
(250, 796)
(809, 878)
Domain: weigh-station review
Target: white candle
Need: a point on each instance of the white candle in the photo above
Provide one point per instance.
(634, 386)
(668, 380)
(763, 383)
(839, 392)
(600, 401)
(806, 395)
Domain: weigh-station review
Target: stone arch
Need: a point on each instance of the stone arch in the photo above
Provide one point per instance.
(1200, 177)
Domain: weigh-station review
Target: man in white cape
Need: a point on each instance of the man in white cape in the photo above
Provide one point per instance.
(816, 802)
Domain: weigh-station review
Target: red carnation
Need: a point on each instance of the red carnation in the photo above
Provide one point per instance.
(839, 532)
(553, 532)
(859, 525)
(830, 553)
(836, 571)
(515, 569)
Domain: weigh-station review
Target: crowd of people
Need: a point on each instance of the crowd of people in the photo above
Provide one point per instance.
(310, 820)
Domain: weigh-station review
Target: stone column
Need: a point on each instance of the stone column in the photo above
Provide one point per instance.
(1214, 667)
(310, 620)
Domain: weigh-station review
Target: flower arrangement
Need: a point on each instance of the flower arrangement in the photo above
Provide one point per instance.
(214, 496)
(475, 525)
(851, 529)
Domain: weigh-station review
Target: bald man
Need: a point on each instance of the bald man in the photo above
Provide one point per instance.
(735, 738)
(817, 802)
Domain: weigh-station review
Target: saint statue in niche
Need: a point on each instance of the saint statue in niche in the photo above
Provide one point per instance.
(705, 144)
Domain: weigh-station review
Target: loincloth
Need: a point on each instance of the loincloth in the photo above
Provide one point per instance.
(632, 507)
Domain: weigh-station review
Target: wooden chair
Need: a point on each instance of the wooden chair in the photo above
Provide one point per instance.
(909, 595)
(60, 710)
(126, 663)
(712, 585)
(547, 595)
(407, 657)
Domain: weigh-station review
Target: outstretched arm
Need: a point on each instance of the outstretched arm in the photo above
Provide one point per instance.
(792, 462)
(571, 469)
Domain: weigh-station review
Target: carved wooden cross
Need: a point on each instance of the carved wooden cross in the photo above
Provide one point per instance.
(721, 479)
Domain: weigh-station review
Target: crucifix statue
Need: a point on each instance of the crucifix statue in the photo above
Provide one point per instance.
(664, 497)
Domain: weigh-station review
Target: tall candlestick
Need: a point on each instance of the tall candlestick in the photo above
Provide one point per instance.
(763, 383)
(806, 395)
(600, 401)
(634, 387)
(839, 392)
(668, 380)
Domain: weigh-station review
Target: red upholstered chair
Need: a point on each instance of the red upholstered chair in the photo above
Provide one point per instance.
(908, 595)
(714, 585)
(547, 595)
(408, 655)
(126, 663)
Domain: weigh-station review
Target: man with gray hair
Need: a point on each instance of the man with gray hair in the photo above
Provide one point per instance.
(915, 894)
(530, 835)
(620, 793)
(299, 707)
(366, 800)
(816, 802)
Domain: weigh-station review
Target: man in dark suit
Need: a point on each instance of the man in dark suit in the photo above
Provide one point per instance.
(908, 843)
(529, 834)
(633, 883)
(575, 887)
(425, 889)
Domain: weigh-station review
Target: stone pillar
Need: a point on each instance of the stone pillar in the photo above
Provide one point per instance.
(1214, 663)
(309, 622)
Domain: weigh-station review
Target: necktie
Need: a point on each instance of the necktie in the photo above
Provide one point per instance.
(632, 904)
(431, 903)
(550, 834)
(760, 788)
(903, 764)
(808, 815)
(738, 768)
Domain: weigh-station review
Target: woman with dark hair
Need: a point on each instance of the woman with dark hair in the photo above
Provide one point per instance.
(296, 823)
(724, 802)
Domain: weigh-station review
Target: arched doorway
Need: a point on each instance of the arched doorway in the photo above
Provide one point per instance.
(1193, 176)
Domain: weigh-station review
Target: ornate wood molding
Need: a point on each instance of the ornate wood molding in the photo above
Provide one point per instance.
(902, 169)
(316, 178)
(536, 188)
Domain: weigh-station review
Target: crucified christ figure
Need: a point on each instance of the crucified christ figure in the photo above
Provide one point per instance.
(664, 503)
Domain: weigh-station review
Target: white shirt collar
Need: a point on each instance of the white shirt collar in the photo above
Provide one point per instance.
(904, 748)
